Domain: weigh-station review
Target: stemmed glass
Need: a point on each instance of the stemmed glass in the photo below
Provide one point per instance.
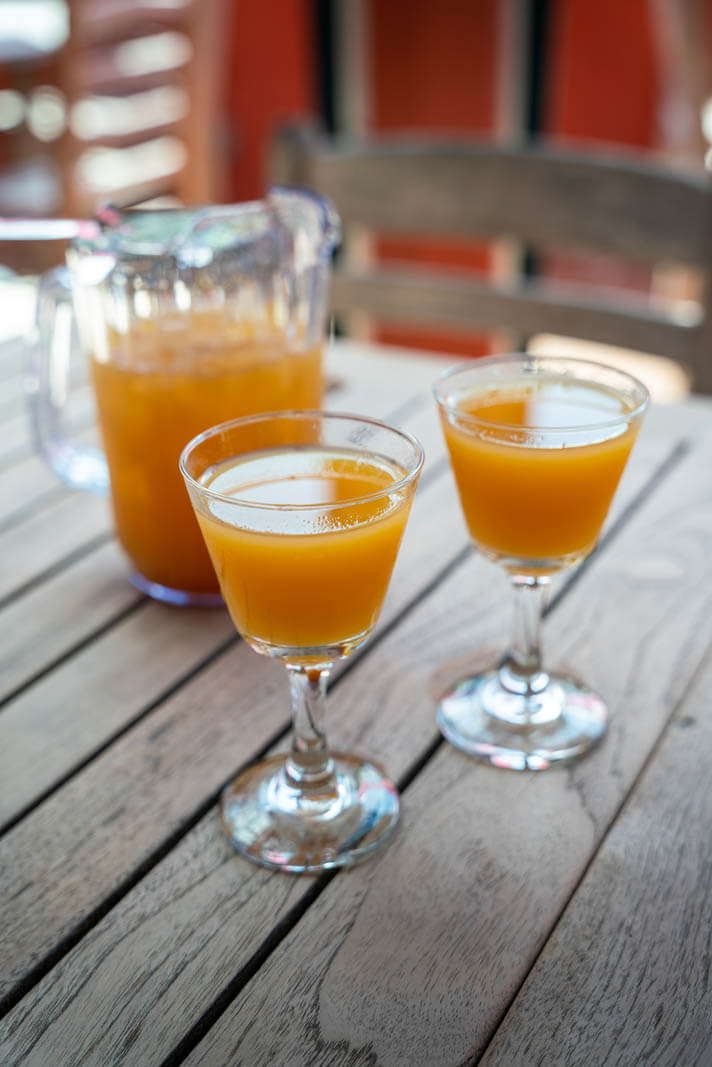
(537, 446)
(302, 514)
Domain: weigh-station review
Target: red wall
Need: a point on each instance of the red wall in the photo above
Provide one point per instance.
(271, 76)
(433, 67)
(438, 74)
(602, 85)
(602, 78)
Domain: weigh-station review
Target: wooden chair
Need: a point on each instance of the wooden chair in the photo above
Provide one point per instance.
(142, 80)
(139, 82)
(619, 206)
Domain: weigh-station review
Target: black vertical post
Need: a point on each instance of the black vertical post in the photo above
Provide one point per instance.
(539, 25)
(536, 89)
(325, 61)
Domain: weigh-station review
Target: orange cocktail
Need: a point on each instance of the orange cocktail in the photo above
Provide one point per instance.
(302, 514)
(537, 447)
(535, 469)
(305, 576)
(161, 384)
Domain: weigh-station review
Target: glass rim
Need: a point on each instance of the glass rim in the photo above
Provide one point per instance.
(301, 415)
(524, 358)
(108, 234)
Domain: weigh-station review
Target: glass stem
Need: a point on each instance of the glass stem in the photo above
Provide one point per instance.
(522, 672)
(309, 763)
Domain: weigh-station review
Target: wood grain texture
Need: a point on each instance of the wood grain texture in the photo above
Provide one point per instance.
(625, 978)
(62, 612)
(72, 711)
(50, 536)
(16, 441)
(81, 844)
(362, 715)
(614, 202)
(29, 484)
(419, 296)
(23, 487)
(414, 957)
(53, 726)
(194, 740)
(190, 924)
(194, 764)
(379, 708)
(408, 958)
(619, 206)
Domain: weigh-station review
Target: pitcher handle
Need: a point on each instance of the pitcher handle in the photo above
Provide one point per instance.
(48, 388)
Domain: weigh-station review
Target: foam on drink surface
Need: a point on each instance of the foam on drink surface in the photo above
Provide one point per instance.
(549, 405)
(303, 490)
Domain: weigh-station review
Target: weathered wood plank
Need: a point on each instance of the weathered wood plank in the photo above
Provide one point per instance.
(39, 610)
(49, 536)
(29, 484)
(625, 976)
(24, 486)
(413, 957)
(194, 742)
(620, 204)
(622, 207)
(16, 438)
(58, 722)
(139, 809)
(81, 844)
(263, 694)
(95, 590)
(382, 707)
(423, 297)
(257, 707)
(190, 924)
(49, 620)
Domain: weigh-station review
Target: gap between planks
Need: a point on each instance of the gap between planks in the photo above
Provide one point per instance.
(661, 471)
(585, 871)
(147, 862)
(68, 942)
(233, 989)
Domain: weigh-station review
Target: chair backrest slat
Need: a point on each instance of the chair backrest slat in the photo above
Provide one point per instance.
(429, 300)
(619, 206)
(544, 198)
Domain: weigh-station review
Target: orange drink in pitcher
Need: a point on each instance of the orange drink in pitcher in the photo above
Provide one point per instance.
(187, 318)
(164, 383)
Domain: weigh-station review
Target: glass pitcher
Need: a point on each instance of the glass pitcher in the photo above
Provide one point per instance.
(188, 318)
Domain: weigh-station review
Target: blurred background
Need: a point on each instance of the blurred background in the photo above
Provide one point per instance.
(167, 101)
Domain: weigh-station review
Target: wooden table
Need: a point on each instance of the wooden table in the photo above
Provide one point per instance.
(526, 918)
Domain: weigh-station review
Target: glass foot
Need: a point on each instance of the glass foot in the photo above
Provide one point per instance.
(167, 595)
(272, 822)
(560, 724)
